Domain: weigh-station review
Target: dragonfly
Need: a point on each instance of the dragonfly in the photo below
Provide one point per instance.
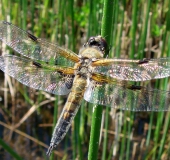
(87, 75)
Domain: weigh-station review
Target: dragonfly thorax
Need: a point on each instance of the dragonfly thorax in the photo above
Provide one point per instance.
(84, 67)
(91, 52)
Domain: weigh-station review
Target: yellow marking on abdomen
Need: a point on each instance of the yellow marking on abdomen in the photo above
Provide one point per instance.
(70, 109)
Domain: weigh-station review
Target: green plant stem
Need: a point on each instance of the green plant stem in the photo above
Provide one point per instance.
(24, 7)
(132, 53)
(144, 31)
(134, 26)
(77, 130)
(32, 15)
(105, 134)
(97, 114)
(95, 133)
(119, 41)
(165, 132)
(107, 19)
(71, 5)
(167, 119)
(123, 141)
(10, 150)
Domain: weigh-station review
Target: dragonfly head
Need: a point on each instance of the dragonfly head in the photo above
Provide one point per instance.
(94, 48)
(98, 42)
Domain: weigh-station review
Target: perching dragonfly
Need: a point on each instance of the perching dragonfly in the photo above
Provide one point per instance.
(54, 69)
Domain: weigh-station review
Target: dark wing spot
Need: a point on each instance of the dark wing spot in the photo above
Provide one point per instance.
(37, 64)
(145, 60)
(32, 36)
(133, 87)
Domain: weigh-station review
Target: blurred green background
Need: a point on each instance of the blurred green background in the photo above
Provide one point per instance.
(140, 29)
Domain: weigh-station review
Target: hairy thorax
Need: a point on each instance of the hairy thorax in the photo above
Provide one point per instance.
(87, 56)
(84, 68)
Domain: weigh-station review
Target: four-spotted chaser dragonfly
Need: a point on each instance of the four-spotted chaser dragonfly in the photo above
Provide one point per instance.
(88, 75)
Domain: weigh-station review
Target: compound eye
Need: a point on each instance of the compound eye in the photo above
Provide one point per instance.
(91, 40)
(99, 42)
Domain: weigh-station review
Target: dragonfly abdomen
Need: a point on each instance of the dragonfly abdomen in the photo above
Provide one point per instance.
(70, 109)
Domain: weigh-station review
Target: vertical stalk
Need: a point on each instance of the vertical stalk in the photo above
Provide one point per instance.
(131, 56)
(144, 31)
(167, 119)
(24, 7)
(123, 141)
(32, 15)
(121, 30)
(107, 20)
(165, 133)
(97, 114)
(105, 134)
(95, 133)
(71, 5)
(134, 26)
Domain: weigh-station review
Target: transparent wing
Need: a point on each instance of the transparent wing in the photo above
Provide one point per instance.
(32, 74)
(30, 46)
(128, 97)
(134, 70)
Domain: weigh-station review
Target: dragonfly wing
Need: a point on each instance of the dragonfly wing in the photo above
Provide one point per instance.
(33, 75)
(28, 45)
(134, 70)
(128, 97)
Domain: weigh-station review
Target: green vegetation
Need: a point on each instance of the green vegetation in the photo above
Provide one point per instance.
(135, 30)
